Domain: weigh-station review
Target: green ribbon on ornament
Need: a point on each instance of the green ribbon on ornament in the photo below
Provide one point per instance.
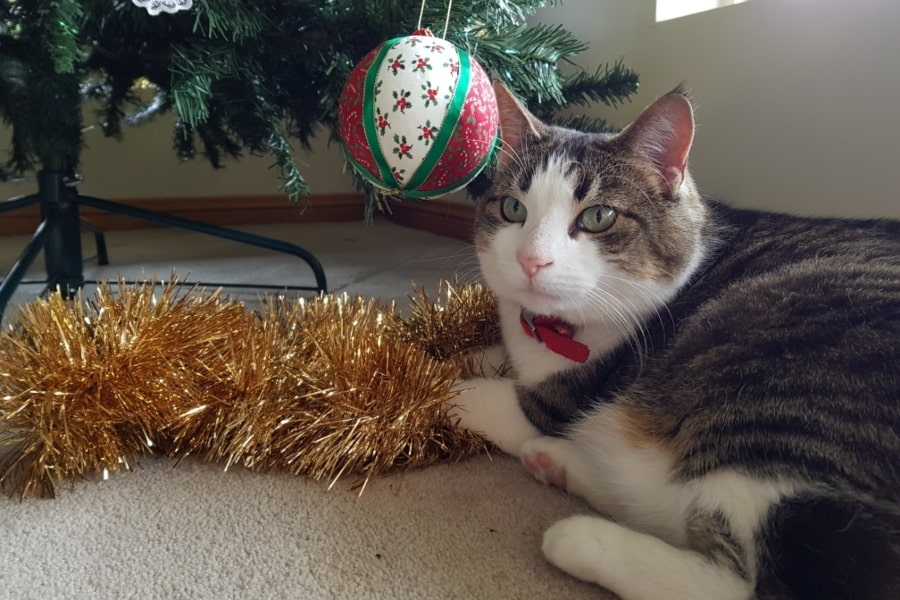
(448, 124)
(456, 185)
(369, 118)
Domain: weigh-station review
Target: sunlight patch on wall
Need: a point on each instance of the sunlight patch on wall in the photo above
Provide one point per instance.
(672, 9)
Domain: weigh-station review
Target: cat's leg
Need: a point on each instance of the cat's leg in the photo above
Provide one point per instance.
(636, 565)
(494, 360)
(490, 362)
(490, 407)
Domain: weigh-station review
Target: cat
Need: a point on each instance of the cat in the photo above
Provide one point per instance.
(720, 384)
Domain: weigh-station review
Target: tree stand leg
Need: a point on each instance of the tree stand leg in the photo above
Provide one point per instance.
(59, 236)
(62, 247)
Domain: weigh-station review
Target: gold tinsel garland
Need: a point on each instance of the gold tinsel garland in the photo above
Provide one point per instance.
(323, 388)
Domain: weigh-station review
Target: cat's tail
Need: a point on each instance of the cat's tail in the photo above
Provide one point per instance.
(831, 547)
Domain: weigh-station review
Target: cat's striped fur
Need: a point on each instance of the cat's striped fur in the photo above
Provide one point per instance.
(739, 416)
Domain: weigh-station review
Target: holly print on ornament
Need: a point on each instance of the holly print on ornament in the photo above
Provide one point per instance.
(422, 64)
(382, 123)
(402, 100)
(430, 95)
(395, 65)
(428, 132)
(402, 149)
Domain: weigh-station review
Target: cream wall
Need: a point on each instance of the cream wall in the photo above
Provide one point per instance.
(796, 108)
(144, 165)
(797, 100)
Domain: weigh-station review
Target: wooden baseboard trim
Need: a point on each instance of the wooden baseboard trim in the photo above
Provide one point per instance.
(226, 211)
(442, 217)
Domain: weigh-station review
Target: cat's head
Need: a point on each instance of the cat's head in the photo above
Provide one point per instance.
(583, 226)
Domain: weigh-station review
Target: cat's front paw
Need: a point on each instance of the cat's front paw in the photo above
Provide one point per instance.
(541, 458)
(636, 565)
(490, 408)
(469, 408)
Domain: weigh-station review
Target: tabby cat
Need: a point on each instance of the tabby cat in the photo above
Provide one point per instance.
(721, 384)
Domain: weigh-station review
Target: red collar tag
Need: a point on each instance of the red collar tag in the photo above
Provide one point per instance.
(556, 334)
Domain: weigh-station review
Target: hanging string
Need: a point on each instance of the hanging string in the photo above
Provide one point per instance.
(446, 21)
(421, 12)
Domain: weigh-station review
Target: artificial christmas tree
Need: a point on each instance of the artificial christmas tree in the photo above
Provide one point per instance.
(243, 77)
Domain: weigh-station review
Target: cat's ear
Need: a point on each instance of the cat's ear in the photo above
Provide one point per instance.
(516, 123)
(663, 134)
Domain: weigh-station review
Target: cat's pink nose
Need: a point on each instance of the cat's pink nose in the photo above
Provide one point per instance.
(532, 263)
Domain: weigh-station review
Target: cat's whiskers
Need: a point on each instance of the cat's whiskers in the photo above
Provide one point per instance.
(466, 268)
(513, 155)
(622, 313)
(469, 266)
(612, 311)
(467, 272)
(657, 301)
(627, 314)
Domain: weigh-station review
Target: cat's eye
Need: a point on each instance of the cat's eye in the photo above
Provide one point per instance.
(596, 219)
(512, 210)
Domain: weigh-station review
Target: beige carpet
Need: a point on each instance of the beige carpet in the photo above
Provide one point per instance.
(466, 530)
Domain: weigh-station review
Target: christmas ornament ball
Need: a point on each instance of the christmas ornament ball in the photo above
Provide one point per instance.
(418, 117)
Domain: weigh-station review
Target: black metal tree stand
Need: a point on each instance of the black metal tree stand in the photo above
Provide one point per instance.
(59, 236)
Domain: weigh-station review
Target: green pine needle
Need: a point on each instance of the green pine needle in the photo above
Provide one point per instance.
(60, 20)
(232, 20)
(610, 84)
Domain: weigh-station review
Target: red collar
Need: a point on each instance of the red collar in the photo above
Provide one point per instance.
(556, 334)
